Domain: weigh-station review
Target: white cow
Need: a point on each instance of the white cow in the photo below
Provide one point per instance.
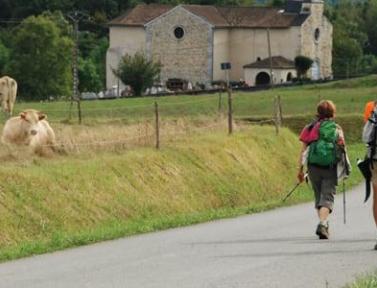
(8, 93)
(31, 129)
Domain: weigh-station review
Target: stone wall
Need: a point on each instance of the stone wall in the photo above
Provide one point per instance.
(189, 58)
(318, 45)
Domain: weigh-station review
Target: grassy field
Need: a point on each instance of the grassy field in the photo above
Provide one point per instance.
(109, 182)
(350, 97)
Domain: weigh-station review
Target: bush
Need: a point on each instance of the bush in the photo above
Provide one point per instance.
(138, 72)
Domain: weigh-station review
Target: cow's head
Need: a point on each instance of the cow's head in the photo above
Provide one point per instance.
(31, 120)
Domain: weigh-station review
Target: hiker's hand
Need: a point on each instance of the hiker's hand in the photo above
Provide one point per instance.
(300, 176)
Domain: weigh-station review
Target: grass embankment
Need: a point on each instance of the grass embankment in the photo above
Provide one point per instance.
(366, 282)
(50, 204)
(350, 97)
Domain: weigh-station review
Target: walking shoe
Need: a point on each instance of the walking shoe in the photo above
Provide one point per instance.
(322, 231)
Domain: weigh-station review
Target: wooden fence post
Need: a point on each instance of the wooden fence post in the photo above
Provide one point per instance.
(276, 115)
(230, 112)
(280, 111)
(79, 108)
(157, 125)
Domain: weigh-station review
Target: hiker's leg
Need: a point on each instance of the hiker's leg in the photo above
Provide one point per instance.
(323, 214)
(375, 206)
(328, 190)
(315, 180)
(375, 202)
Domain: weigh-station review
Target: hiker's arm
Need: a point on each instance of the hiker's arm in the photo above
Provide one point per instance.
(300, 174)
(341, 140)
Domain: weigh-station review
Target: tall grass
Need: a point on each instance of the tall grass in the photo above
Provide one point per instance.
(364, 282)
(49, 204)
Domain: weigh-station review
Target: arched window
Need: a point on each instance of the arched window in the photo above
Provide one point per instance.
(317, 33)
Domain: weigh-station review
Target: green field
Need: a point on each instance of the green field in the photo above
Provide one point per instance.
(350, 97)
(99, 192)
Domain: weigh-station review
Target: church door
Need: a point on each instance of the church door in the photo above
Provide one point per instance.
(316, 73)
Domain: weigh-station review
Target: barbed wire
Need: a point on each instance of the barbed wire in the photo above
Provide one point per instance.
(262, 121)
(126, 140)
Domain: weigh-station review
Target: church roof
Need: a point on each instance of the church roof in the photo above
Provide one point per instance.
(221, 17)
(278, 62)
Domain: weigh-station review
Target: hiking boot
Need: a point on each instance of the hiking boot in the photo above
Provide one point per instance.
(322, 231)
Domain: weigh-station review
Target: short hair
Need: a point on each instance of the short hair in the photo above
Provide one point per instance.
(326, 109)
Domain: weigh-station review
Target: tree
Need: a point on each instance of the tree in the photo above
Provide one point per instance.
(371, 25)
(138, 72)
(276, 3)
(302, 64)
(4, 58)
(89, 79)
(41, 59)
(98, 57)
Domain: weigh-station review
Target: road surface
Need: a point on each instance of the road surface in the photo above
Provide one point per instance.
(272, 249)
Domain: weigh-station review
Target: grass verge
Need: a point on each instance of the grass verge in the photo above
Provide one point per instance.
(51, 204)
(364, 282)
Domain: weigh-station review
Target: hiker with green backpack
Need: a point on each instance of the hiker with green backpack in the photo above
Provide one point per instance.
(324, 153)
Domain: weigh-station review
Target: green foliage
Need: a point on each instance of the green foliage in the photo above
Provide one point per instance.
(276, 3)
(370, 16)
(41, 59)
(98, 57)
(138, 72)
(89, 79)
(93, 54)
(4, 58)
(302, 64)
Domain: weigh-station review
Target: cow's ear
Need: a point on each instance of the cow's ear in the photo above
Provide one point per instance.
(23, 115)
(41, 116)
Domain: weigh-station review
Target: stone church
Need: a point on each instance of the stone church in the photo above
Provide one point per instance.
(192, 41)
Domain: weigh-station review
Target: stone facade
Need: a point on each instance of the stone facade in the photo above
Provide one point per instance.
(316, 42)
(189, 57)
(208, 40)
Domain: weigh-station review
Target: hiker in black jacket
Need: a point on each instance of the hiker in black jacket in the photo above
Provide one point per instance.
(369, 137)
(322, 140)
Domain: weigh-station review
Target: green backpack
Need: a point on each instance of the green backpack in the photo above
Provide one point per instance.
(323, 151)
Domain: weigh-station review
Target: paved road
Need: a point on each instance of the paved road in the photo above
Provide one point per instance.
(273, 249)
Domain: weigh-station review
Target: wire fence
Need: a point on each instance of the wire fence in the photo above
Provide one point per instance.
(154, 124)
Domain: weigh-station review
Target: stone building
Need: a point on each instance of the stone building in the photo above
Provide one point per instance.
(191, 41)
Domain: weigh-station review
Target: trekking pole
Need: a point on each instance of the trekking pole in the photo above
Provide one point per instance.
(294, 188)
(344, 202)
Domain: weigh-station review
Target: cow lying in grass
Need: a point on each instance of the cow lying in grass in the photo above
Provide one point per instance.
(30, 129)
